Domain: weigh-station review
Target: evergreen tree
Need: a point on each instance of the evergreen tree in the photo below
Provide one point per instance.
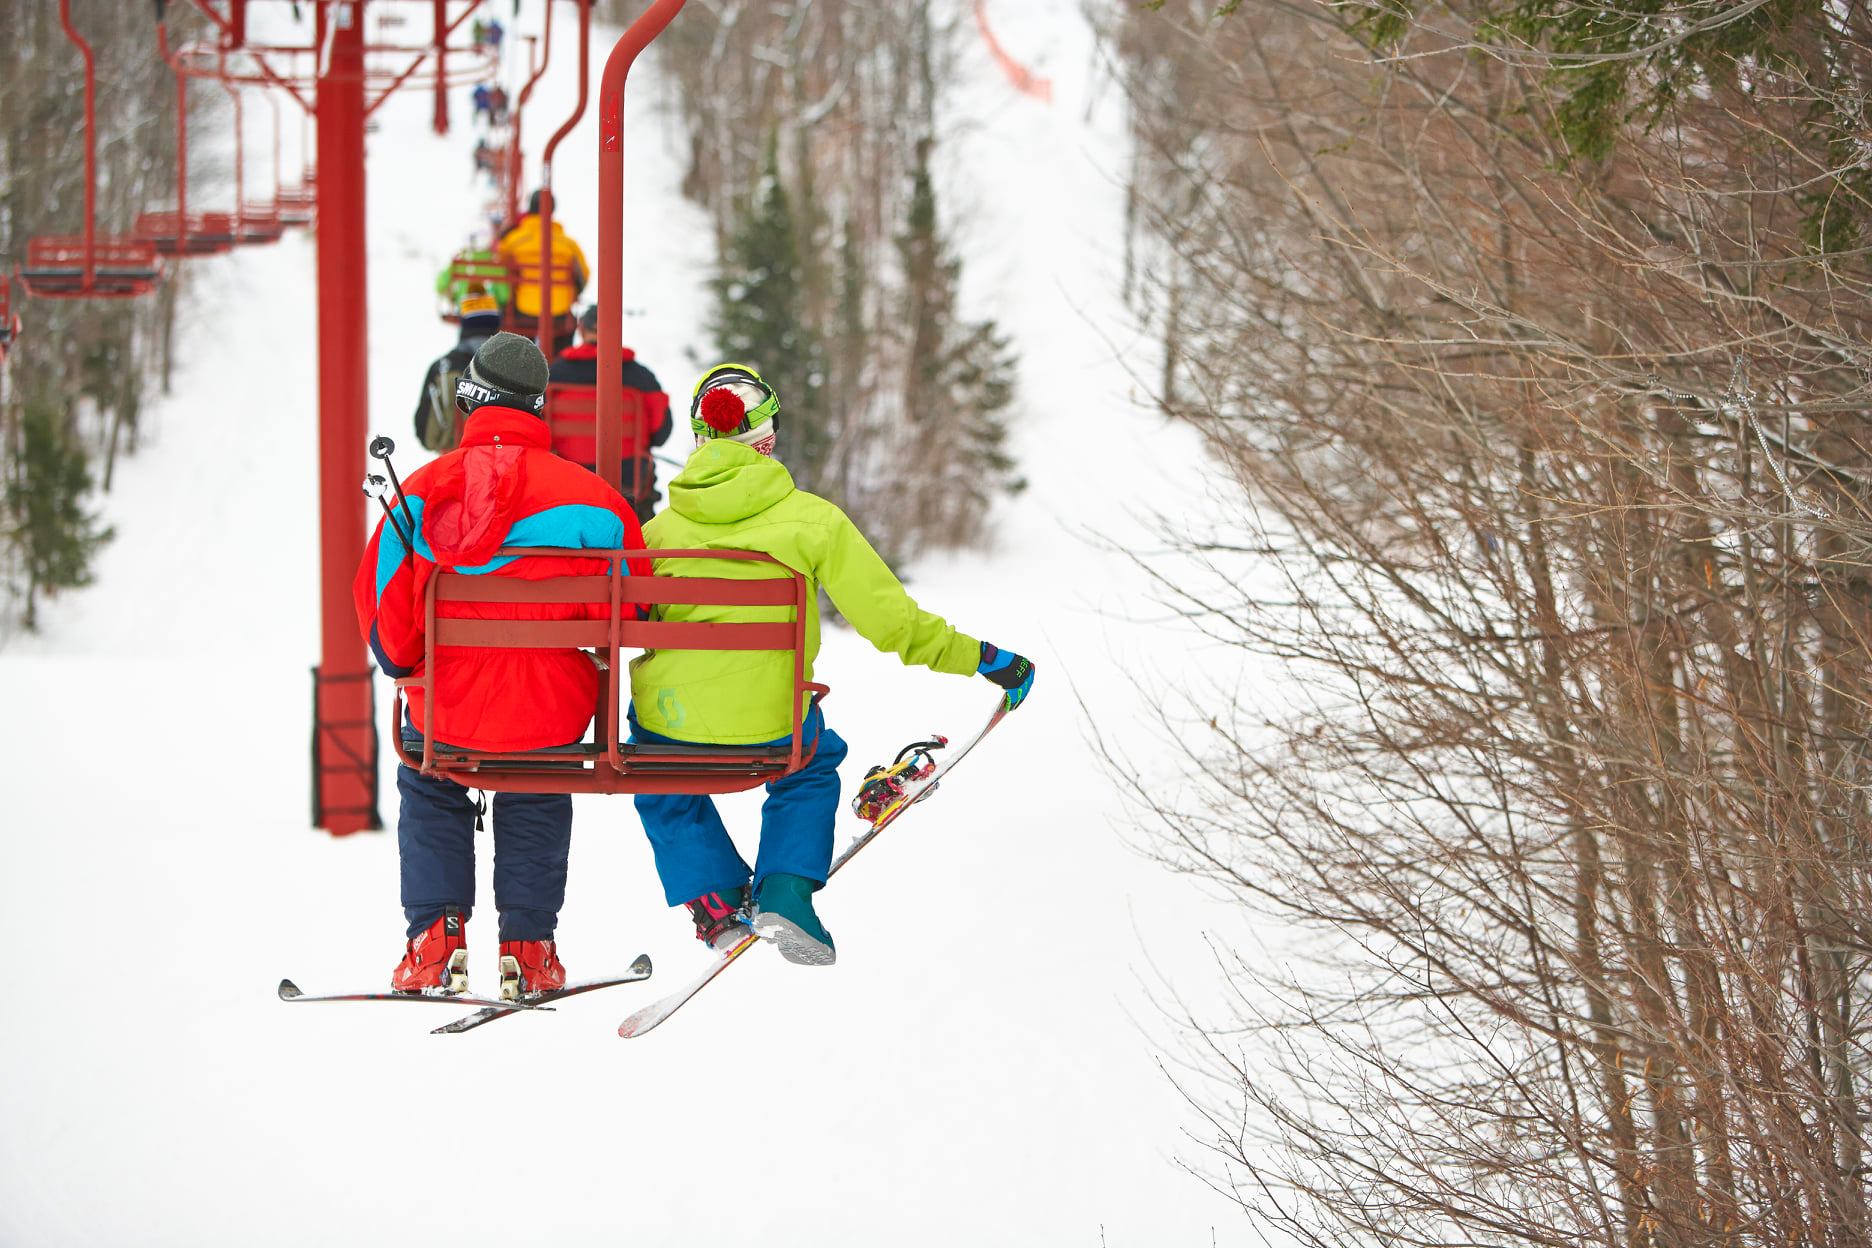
(958, 387)
(760, 319)
(54, 535)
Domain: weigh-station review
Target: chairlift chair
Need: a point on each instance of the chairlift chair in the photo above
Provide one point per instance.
(75, 267)
(193, 234)
(606, 763)
(260, 223)
(572, 416)
(296, 205)
(88, 266)
(470, 272)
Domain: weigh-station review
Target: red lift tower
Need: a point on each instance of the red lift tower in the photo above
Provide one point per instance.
(346, 78)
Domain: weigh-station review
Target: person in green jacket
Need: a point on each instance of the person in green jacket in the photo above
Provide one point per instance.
(733, 495)
(474, 270)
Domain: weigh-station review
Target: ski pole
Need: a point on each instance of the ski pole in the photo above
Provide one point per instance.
(382, 448)
(377, 488)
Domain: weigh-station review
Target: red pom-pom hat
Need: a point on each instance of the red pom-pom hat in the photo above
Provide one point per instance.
(722, 410)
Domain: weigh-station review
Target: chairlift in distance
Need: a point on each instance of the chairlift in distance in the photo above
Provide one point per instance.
(88, 266)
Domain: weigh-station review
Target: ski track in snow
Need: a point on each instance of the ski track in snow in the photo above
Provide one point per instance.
(981, 1067)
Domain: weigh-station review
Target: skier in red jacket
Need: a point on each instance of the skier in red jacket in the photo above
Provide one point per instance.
(501, 487)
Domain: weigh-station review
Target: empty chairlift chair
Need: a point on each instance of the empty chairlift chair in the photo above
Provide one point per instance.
(605, 763)
(88, 266)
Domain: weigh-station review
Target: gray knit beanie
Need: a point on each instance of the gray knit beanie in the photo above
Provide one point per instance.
(508, 371)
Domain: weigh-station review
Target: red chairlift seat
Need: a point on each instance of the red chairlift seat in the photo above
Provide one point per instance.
(121, 268)
(296, 205)
(259, 223)
(606, 764)
(199, 234)
(572, 415)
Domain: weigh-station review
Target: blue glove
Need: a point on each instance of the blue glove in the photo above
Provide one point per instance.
(1008, 670)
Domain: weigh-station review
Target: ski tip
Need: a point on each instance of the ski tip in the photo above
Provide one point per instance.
(641, 967)
(289, 990)
(630, 1027)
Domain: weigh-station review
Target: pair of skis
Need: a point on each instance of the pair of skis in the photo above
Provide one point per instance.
(923, 774)
(887, 792)
(491, 1009)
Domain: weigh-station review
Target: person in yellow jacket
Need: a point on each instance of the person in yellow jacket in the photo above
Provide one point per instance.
(733, 495)
(521, 247)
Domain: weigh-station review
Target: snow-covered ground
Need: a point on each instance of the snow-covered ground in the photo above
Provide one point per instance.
(983, 1065)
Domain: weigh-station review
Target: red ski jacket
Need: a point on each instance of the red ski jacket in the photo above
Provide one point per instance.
(502, 487)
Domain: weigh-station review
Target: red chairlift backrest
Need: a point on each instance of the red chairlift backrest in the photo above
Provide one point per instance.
(470, 273)
(609, 765)
(572, 415)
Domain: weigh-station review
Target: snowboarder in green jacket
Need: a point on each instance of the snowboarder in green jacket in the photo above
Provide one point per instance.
(733, 495)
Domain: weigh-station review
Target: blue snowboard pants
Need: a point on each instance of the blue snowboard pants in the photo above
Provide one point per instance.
(693, 852)
(435, 838)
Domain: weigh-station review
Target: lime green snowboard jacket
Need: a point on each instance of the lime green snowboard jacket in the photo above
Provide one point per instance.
(730, 497)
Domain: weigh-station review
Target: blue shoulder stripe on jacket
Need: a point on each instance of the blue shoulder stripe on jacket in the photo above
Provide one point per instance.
(577, 525)
(391, 551)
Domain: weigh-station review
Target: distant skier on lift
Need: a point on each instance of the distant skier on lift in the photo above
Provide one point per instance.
(732, 495)
(502, 487)
(523, 248)
(578, 366)
(438, 420)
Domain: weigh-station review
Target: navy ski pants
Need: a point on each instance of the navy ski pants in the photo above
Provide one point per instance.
(435, 837)
(693, 852)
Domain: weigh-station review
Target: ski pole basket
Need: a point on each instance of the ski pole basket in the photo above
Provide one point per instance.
(606, 763)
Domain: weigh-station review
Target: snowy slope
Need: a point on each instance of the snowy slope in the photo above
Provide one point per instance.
(982, 1065)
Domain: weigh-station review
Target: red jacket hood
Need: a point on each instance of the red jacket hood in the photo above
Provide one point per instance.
(589, 351)
(469, 498)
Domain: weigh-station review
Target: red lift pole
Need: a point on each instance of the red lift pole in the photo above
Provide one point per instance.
(548, 267)
(441, 54)
(344, 737)
(611, 233)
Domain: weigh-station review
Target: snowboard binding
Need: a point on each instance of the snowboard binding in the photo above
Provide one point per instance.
(884, 787)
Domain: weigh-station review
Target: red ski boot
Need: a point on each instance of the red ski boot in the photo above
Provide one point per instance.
(437, 960)
(529, 966)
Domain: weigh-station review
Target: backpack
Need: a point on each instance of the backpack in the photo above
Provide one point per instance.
(436, 426)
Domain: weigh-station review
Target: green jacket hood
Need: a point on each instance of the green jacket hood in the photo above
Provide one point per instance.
(725, 482)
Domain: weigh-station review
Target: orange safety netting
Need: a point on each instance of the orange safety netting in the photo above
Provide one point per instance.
(1025, 80)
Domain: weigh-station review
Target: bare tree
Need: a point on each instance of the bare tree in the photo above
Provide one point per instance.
(1558, 451)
